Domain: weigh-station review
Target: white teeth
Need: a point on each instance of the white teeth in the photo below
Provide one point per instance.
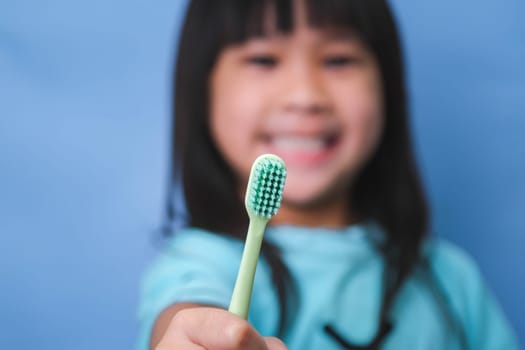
(297, 143)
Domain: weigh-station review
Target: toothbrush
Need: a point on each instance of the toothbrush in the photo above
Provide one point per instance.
(262, 200)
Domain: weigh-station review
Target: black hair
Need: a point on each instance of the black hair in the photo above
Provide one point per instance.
(388, 190)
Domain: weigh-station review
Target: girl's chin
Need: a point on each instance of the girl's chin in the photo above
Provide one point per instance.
(316, 188)
(306, 197)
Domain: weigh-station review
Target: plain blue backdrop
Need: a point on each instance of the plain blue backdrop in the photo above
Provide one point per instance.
(84, 133)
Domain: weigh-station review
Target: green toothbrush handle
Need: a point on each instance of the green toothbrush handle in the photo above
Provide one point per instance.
(240, 301)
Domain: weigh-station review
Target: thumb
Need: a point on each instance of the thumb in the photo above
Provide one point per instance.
(274, 343)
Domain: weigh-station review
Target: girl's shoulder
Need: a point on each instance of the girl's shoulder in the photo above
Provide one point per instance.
(190, 255)
(455, 270)
(199, 242)
(446, 257)
(468, 295)
(193, 265)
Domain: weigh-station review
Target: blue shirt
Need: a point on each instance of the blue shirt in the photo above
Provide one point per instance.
(339, 278)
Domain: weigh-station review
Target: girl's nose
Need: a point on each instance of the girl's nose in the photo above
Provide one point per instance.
(303, 89)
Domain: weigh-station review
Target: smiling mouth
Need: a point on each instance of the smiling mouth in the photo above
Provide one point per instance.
(303, 149)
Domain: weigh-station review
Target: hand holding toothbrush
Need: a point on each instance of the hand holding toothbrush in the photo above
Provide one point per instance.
(196, 327)
(191, 326)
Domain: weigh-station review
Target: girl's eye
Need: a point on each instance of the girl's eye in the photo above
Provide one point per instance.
(340, 61)
(266, 61)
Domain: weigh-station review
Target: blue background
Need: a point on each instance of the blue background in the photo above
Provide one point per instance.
(84, 116)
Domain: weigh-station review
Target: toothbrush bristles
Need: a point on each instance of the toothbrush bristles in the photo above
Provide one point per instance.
(267, 186)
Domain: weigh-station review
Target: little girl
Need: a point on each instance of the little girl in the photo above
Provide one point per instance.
(346, 262)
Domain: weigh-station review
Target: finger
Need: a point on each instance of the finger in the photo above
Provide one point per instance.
(242, 336)
(171, 344)
(274, 343)
(214, 328)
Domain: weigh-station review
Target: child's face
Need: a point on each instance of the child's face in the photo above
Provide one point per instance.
(313, 97)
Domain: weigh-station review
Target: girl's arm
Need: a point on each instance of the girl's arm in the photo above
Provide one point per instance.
(193, 326)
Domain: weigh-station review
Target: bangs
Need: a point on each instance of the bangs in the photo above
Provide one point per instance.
(241, 20)
(352, 15)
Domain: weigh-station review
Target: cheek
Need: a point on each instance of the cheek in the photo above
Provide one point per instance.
(375, 113)
(369, 129)
(370, 116)
(232, 103)
(222, 102)
(368, 96)
(233, 118)
(234, 124)
(364, 113)
(224, 121)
